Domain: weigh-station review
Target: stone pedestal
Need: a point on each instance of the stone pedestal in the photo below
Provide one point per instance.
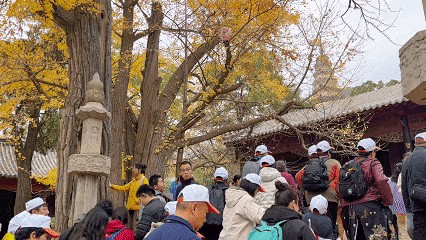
(413, 68)
(89, 165)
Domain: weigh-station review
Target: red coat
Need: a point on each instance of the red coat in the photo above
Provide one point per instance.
(116, 225)
(290, 179)
(377, 182)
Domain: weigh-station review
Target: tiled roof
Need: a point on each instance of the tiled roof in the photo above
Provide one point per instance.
(362, 102)
(41, 164)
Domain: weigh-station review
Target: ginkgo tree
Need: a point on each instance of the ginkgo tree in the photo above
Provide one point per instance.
(33, 83)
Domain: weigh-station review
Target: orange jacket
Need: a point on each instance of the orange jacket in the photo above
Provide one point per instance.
(333, 170)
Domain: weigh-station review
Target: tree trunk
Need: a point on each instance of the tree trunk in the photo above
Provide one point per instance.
(24, 155)
(89, 41)
(151, 120)
(119, 100)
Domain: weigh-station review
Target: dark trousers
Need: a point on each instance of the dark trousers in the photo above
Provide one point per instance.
(332, 213)
(211, 231)
(133, 219)
(394, 221)
(419, 221)
(365, 219)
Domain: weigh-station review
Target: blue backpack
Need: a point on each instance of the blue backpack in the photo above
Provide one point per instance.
(267, 232)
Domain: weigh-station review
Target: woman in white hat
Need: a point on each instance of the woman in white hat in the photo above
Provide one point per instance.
(241, 213)
(268, 175)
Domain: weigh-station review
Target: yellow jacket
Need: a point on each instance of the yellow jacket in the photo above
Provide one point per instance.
(132, 187)
(8, 236)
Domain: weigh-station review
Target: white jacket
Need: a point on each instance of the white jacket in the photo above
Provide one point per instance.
(268, 176)
(240, 216)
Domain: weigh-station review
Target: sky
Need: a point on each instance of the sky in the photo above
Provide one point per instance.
(381, 56)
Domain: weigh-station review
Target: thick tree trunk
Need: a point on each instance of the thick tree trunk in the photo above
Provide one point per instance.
(89, 41)
(24, 155)
(151, 120)
(152, 148)
(119, 100)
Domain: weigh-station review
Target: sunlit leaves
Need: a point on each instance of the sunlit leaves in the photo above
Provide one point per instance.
(32, 70)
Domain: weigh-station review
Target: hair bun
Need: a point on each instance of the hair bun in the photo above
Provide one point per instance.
(281, 186)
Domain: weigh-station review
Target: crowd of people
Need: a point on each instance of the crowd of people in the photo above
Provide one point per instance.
(324, 200)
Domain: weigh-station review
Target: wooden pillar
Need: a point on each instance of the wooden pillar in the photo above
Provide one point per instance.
(406, 134)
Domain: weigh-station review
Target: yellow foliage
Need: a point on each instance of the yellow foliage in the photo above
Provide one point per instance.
(50, 179)
(124, 158)
(42, 10)
(32, 70)
(246, 18)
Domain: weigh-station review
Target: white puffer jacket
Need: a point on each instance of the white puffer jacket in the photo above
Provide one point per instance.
(268, 176)
(240, 216)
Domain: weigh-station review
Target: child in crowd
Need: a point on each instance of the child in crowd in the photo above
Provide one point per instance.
(317, 218)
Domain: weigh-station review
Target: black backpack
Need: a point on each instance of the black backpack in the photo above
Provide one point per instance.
(352, 185)
(315, 178)
(217, 199)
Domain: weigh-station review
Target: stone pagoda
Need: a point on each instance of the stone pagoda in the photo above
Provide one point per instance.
(89, 165)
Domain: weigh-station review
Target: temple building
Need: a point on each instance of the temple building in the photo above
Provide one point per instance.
(384, 115)
(40, 165)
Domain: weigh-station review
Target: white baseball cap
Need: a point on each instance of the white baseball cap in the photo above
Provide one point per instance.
(324, 146)
(170, 207)
(368, 144)
(268, 159)
(33, 203)
(312, 150)
(221, 172)
(262, 149)
(320, 203)
(16, 221)
(421, 137)
(254, 178)
(40, 221)
(196, 193)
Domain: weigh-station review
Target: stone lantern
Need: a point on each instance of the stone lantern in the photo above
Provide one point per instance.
(89, 165)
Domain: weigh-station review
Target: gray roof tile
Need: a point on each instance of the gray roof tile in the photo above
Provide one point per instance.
(366, 101)
(41, 164)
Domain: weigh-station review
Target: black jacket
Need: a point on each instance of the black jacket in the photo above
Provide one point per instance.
(413, 173)
(294, 228)
(153, 212)
(183, 184)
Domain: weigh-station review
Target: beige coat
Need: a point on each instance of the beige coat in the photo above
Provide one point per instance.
(268, 176)
(240, 216)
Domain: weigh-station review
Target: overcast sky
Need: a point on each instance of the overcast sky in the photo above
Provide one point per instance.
(381, 57)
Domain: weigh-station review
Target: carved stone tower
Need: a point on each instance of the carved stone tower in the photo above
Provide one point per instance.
(89, 165)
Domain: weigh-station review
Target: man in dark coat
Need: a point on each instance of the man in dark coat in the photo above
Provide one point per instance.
(414, 186)
(186, 178)
(152, 212)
